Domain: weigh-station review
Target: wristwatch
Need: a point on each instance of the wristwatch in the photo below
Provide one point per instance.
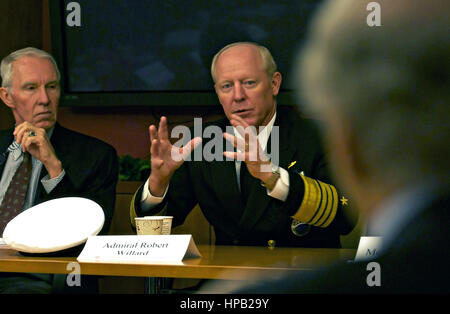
(270, 184)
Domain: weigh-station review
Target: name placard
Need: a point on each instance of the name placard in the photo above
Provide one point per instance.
(368, 248)
(139, 249)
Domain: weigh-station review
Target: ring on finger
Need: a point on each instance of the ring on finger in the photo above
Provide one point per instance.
(31, 133)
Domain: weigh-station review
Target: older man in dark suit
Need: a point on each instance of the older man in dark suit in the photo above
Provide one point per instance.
(62, 162)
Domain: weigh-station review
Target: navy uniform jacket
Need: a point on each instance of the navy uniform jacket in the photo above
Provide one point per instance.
(213, 185)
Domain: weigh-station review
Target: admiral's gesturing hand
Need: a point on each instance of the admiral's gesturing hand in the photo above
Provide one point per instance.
(249, 150)
(165, 157)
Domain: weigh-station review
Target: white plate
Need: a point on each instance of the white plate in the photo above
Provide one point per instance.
(54, 225)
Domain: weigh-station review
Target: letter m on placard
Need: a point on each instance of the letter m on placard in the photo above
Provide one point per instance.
(371, 253)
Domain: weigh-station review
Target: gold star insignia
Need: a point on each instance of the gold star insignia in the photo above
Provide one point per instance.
(344, 200)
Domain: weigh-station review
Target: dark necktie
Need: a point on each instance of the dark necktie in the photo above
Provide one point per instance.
(15, 194)
(247, 181)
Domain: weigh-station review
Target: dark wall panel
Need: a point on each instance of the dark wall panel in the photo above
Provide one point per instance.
(20, 26)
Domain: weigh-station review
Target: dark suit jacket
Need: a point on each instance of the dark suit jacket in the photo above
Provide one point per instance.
(417, 262)
(91, 168)
(213, 185)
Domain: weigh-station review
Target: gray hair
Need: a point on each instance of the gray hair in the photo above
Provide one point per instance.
(7, 62)
(390, 83)
(268, 62)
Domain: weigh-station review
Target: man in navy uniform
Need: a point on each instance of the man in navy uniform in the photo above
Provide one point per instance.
(249, 201)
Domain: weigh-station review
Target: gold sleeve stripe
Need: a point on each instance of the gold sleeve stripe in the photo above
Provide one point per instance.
(328, 197)
(321, 207)
(309, 202)
(319, 204)
(133, 210)
(334, 202)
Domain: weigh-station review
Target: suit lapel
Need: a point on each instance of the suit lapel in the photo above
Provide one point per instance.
(224, 181)
(258, 200)
(225, 184)
(5, 140)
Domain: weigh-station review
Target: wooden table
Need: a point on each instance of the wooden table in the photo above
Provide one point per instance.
(217, 262)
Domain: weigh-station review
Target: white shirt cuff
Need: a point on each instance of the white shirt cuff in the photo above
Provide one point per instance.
(281, 189)
(50, 184)
(149, 201)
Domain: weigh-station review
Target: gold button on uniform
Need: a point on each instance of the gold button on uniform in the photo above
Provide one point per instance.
(271, 244)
